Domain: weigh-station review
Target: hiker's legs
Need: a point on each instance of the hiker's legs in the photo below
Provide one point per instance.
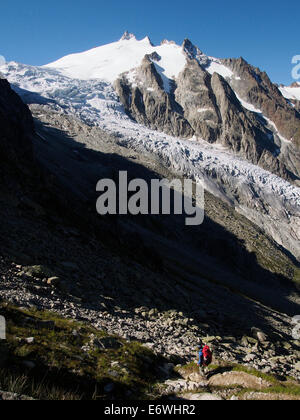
(201, 371)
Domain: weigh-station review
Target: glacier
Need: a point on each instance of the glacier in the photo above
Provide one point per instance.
(267, 200)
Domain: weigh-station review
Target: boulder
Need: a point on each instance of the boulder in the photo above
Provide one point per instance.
(242, 379)
(39, 271)
(105, 343)
(205, 396)
(297, 366)
(53, 281)
(250, 357)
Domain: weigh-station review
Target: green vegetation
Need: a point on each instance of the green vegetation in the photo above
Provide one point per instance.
(48, 357)
(25, 384)
(85, 362)
(254, 372)
(287, 387)
(297, 275)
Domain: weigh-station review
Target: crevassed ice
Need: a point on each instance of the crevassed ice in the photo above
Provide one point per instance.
(96, 101)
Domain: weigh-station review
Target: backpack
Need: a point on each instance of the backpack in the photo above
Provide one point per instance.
(207, 356)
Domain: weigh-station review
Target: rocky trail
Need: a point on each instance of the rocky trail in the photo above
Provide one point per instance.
(227, 385)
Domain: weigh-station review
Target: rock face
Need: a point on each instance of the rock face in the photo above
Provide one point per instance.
(215, 114)
(16, 127)
(199, 104)
(255, 87)
(149, 104)
(194, 93)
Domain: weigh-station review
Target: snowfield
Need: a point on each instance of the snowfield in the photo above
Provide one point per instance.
(267, 200)
(215, 67)
(109, 61)
(291, 92)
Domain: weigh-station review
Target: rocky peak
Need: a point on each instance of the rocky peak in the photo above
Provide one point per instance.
(149, 74)
(148, 102)
(190, 49)
(147, 39)
(153, 56)
(127, 36)
(167, 42)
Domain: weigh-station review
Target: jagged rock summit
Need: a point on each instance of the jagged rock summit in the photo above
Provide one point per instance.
(127, 36)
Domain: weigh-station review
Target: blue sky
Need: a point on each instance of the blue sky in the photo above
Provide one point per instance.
(265, 33)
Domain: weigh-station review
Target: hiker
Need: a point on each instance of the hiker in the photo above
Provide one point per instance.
(205, 359)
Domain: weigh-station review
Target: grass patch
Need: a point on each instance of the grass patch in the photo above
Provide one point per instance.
(24, 384)
(73, 355)
(279, 389)
(189, 368)
(287, 389)
(251, 371)
(297, 275)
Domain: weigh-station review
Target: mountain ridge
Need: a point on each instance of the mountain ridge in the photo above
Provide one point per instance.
(201, 113)
(274, 118)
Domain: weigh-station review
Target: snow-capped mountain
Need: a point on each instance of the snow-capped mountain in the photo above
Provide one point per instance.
(181, 91)
(219, 121)
(291, 92)
(109, 61)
